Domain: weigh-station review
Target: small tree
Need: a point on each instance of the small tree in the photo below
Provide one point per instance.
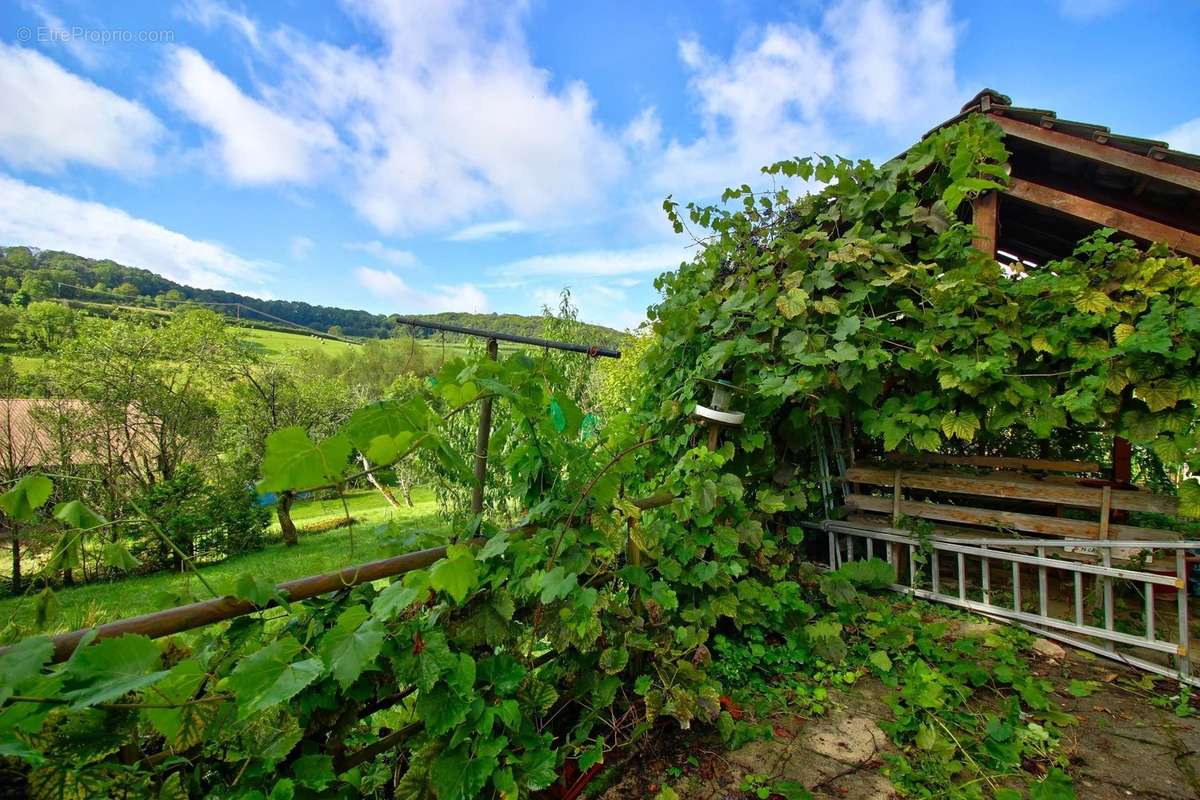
(45, 325)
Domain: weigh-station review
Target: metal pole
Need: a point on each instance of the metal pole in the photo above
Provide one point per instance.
(591, 350)
(481, 442)
(1183, 660)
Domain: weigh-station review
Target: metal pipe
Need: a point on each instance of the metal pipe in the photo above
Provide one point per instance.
(591, 350)
(1183, 658)
(481, 442)
(197, 615)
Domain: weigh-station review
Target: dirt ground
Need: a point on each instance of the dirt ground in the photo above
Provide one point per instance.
(1123, 746)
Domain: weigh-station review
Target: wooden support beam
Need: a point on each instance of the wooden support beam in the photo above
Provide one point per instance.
(991, 518)
(1145, 165)
(1100, 214)
(1015, 486)
(984, 216)
(1000, 462)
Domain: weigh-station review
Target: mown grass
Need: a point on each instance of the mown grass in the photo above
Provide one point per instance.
(280, 342)
(369, 539)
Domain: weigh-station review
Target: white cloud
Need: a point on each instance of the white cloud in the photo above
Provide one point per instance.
(895, 61)
(387, 284)
(787, 89)
(255, 144)
(447, 121)
(53, 117)
(300, 247)
(34, 216)
(1185, 136)
(650, 258)
(79, 48)
(644, 131)
(212, 15)
(378, 250)
(488, 230)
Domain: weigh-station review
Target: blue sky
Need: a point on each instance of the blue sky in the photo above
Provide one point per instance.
(429, 156)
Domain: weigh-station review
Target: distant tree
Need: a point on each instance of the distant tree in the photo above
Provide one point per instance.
(148, 388)
(17, 451)
(127, 289)
(33, 288)
(336, 330)
(18, 257)
(268, 396)
(8, 321)
(44, 325)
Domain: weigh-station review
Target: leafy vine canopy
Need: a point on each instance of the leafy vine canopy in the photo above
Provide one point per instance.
(867, 301)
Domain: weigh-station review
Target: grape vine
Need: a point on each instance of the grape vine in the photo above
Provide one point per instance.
(575, 631)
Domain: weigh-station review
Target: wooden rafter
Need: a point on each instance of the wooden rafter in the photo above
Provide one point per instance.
(1144, 165)
(1100, 214)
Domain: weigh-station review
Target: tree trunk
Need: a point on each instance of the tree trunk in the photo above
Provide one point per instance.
(404, 481)
(286, 527)
(383, 490)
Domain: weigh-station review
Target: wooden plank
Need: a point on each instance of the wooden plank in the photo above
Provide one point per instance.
(1003, 462)
(1014, 487)
(983, 209)
(1100, 214)
(1144, 165)
(1027, 523)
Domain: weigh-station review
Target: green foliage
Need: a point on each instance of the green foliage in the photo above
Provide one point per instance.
(22, 501)
(595, 617)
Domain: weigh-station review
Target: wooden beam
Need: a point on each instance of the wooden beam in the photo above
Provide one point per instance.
(1001, 462)
(1100, 214)
(992, 518)
(983, 209)
(1144, 165)
(1014, 486)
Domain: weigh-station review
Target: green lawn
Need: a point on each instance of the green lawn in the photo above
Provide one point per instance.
(96, 603)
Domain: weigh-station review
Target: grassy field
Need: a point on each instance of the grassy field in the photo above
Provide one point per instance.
(96, 603)
(281, 342)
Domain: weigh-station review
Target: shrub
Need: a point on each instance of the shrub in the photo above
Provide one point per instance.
(207, 521)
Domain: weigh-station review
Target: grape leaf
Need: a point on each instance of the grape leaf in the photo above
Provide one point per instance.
(23, 662)
(400, 595)
(76, 515)
(292, 461)
(268, 677)
(110, 668)
(352, 645)
(29, 494)
(557, 584)
(179, 686)
(456, 574)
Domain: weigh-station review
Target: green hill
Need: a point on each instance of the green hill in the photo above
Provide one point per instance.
(40, 274)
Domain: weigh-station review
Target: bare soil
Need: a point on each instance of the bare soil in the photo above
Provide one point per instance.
(1123, 745)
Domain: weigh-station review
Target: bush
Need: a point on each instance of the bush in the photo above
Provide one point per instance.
(208, 522)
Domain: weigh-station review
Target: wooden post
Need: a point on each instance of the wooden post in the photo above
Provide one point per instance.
(896, 501)
(714, 434)
(1122, 457)
(481, 442)
(984, 210)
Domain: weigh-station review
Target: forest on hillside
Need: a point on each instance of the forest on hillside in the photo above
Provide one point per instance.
(28, 274)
